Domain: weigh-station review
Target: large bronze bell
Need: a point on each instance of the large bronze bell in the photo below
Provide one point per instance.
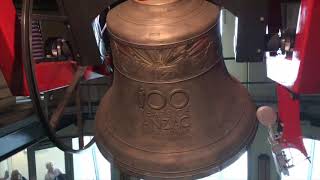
(173, 111)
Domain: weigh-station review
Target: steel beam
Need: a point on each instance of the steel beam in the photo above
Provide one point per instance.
(19, 136)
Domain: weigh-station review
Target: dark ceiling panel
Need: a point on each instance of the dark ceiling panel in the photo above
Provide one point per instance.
(81, 15)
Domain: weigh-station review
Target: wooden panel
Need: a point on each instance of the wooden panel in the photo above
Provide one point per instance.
(6, 98)
(6, 103)
(3, 83)
(5, 92)
(15, 113)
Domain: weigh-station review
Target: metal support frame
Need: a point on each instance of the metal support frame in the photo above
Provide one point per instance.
(47, 17)
(80, 16)
(251, 27)
(45, 145)
(25, 133)
(28, 65)
(22, 134)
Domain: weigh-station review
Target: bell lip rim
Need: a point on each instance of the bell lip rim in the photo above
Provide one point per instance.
(242, 91)
(198, 173)
(210, 144)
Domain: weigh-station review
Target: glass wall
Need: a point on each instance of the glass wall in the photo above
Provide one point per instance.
(87, 165)
(17, 162)
(49, 155)
(304, 169)
(236, 171)
(90, 164)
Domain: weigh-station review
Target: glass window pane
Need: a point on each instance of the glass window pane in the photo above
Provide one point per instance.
(236, 171)
(44, 156)
(96, 167)
(17, 162)
(303, 169)
(316, 162)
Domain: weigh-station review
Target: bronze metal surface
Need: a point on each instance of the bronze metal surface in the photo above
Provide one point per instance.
(173, 111)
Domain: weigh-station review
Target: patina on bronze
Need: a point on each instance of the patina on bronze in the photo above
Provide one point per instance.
(173, 111)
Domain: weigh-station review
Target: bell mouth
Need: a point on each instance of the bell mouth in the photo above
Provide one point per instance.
(155, 2)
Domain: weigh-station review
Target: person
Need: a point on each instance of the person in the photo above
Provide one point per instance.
(6, 176)
(16, 175)
(53, 173)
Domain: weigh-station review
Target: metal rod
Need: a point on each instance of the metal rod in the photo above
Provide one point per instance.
(56, 116)
(80, 122)
(257, 82)
(48, 17)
